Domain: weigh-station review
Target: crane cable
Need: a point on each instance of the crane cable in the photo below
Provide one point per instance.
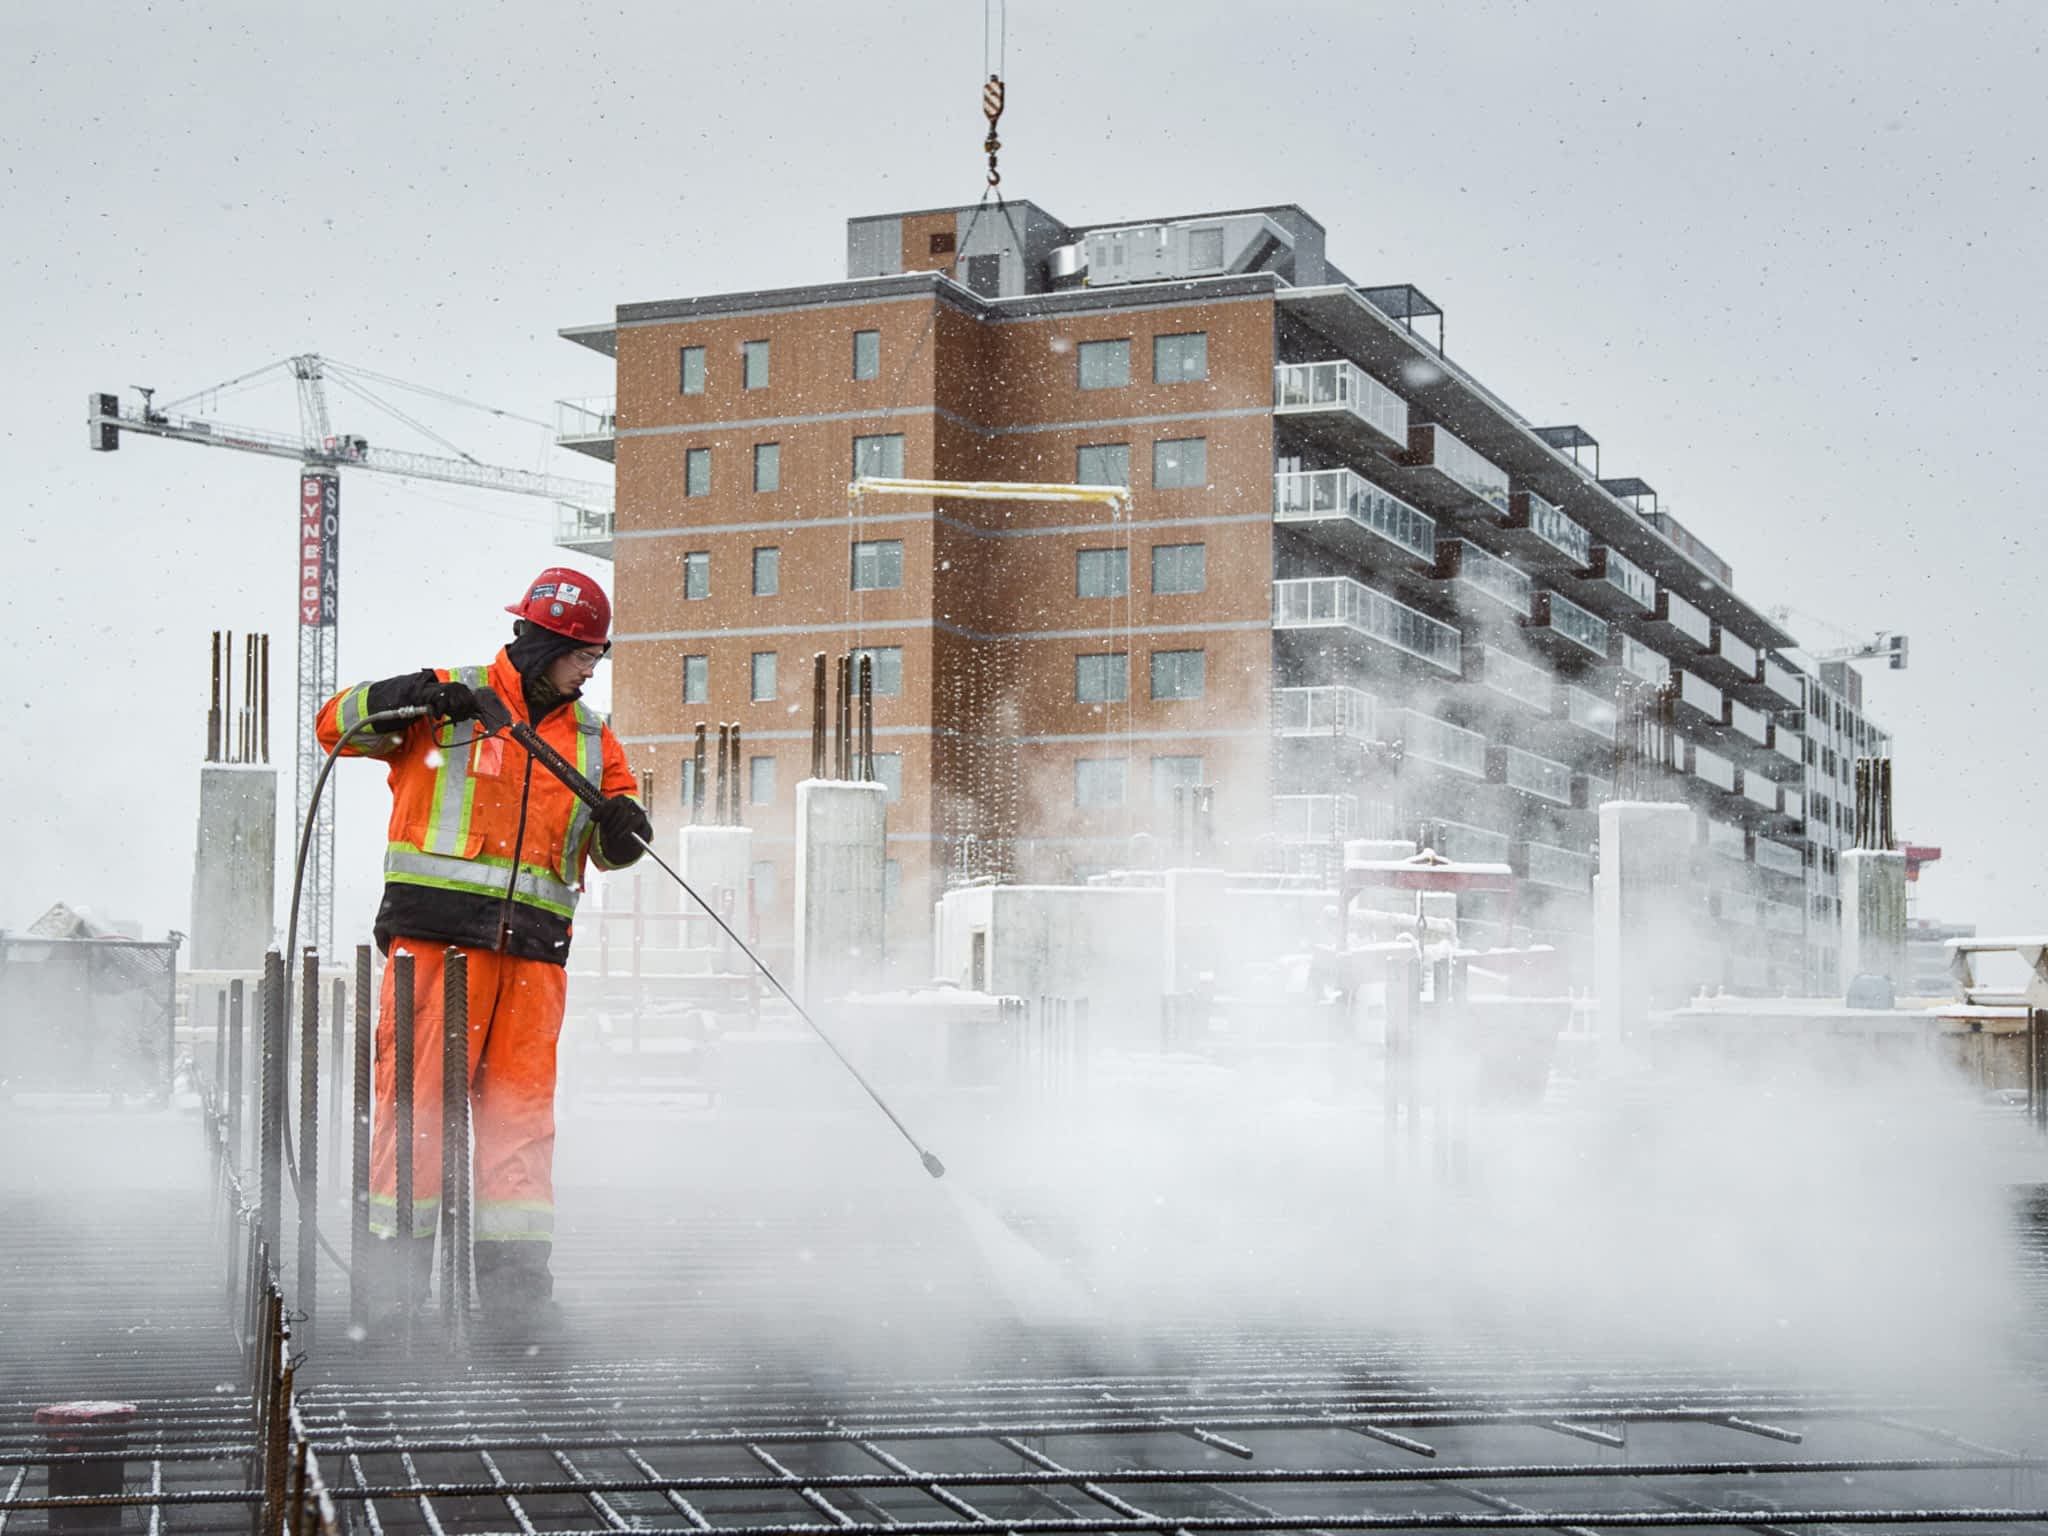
(992, 91)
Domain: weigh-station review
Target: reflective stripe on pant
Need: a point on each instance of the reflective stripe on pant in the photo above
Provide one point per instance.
(515, 1018)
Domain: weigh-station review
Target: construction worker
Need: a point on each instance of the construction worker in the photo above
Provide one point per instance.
(486, 853)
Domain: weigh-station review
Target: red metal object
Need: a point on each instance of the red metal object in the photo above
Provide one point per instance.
(85, 1427)
(1917, 855)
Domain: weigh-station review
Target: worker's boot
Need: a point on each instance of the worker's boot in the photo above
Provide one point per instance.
(401, 1274)
(515, 1290)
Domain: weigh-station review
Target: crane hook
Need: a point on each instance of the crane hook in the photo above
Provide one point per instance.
(992, 109)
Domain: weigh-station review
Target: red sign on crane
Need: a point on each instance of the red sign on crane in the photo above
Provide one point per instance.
(319, 550)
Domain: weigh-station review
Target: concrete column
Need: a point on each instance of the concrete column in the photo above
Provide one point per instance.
(1196, 924)
(718, 862)
(840, 828)
(234, 871)
(1874, 918)
(1645, 934)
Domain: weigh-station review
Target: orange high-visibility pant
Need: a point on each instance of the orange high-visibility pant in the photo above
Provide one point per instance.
(515, 1018)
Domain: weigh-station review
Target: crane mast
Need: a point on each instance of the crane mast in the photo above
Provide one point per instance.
(321, 455)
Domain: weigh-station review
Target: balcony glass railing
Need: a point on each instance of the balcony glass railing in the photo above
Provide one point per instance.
(1589, 712)
(1341, 386)
(1471, 469)
(1324, 711)
(1538, 776)
(1759, 790)
(1795, 801)
(1339, 602)
(1559, 868)
(1599, 790)
(1645, 663)
(1750, 722)
(1472, 845)
(1316, 494)
(1788, 744)
(1776, 856)
(1631, 580)
(1430, 740)
(1737, 652)
(1495, 577)
(1714, 768)
(596, 417)
(1687, 620)
(1700, 694)
(1783, 681)
(1577, 625)
(1551, 525)
(1784, 916)
(579, 526)
(1516, 678)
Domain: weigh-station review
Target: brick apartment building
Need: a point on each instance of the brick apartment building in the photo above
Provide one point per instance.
(1339, 541)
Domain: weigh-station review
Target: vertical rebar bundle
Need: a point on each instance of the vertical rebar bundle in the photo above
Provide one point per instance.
(818, 715)
(867, 718)
(455, 1272)
(1874, 803)
(309, 1140)
(842, 746)
(719, 815)
(738, 793)
(238, 735)
(213, 720)
(697, 778)
(1645, 741)
(271, 1133)
(359, 1152)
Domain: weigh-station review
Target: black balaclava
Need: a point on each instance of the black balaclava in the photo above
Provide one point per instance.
(532, 651)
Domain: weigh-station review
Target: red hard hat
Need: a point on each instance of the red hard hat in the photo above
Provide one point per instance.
(569, 603)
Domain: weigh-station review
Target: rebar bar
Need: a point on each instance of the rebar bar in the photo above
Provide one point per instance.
(309, 1145)
(271, 1138)
(237, 1055)
(697, 778)
(818, 714)
(337, 1048)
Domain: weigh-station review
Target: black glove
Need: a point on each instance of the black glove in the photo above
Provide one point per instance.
(451, 701)
(619, 826)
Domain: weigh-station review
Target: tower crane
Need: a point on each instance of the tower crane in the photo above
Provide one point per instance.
(1892, 647)
(322, 454)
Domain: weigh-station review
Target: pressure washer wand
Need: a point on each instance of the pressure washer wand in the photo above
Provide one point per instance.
(493, 714)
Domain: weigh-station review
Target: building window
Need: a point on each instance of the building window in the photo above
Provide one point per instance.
(1105, 364)
(889, 774)
(697, 575)
(760, 781)
(1103, 678)
(892, 884)
(1180, 359)
(1171, 773)
(767, 884)
(763, 676)
(689, 782)
(767, 571)
(767, 466)
(1179, 568)
(693, 370)
(696, 679)
(867, 354)
(1103, 464)
(1177, 674)
(888, 668)
(877, 565)
(880, 456)
(1101, 572)
(1180, 462)
(697, 472)
(940, 244)
(754, 356)
(1098, 782)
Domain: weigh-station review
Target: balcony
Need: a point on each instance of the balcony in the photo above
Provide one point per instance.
(1729, 839)
(1571, 629)
(1784, 916)
(1344, 510)
(1558, 868)
(1779, 858)
(1744, 721)
(586, 530)
(1338, 602)
(1699, 701)
(1471, 845)
(589, 426)
(1784, 681)
(1461, 560)
(1692, 548)
(1589, 712)
(1341, 404)
(1542, 777)
(1430, 740)
(1730, 661)
(1638, 660)
(1432, 448)
(1514, 678)
(1678, 623)
(1316, 818)
(1545, 534)
(1324, 711)
(1760, 791)
(1615, 586)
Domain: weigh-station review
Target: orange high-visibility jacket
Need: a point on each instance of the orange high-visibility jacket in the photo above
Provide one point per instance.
(459, 802)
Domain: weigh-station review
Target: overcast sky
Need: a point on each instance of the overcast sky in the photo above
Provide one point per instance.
(1785, 261)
